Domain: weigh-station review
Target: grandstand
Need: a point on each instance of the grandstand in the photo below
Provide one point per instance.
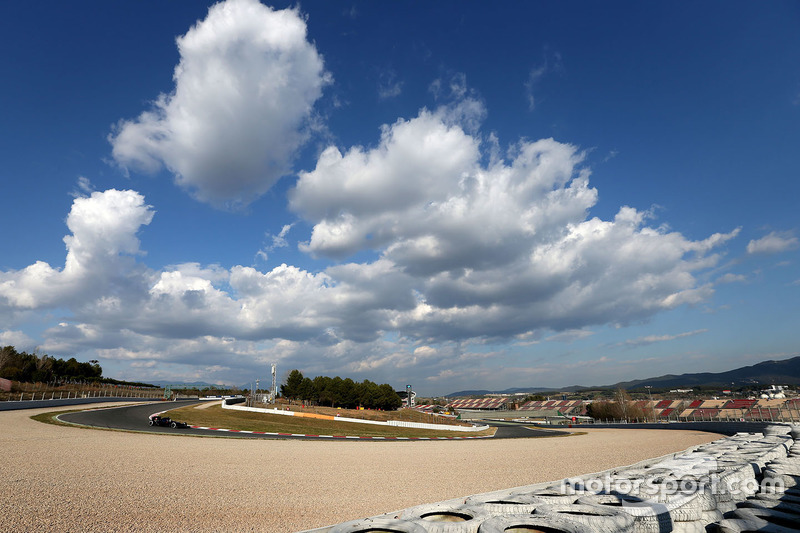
(542, 408)
(482, 404)
(662, 410)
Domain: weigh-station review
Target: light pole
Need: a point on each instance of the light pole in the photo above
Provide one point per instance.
(652, 407)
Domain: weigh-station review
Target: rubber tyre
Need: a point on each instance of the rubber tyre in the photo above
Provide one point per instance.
(726, 507)
(709, 517)
(173, 425)
(548, 524)
(552, 495)
(439, 518)
(644, 520)
(151, 423)
(595, 516)
(504, 504)
(788, 480)
(777, 430)
(689, 527)
(380, 524)
(776, 497)
(775, 505)
(769, 520)
(682, 507)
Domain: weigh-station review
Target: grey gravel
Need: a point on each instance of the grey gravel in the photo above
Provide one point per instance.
(55, 478)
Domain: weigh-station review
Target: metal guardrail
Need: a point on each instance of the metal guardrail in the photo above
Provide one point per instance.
(59, 395)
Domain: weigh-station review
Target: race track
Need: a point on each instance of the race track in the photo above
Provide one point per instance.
(135, 418)
(68, 478)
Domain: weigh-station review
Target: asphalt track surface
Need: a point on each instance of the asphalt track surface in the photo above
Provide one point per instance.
(136, 418)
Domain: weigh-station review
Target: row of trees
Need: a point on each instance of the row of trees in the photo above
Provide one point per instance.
(338, 392)
(621, 408)
(32, 367)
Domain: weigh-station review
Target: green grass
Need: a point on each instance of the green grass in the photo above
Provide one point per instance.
(217, 417)
(50, 418)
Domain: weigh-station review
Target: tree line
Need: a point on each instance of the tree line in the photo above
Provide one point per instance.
(338, 392)
(621, 408)
(35, 368)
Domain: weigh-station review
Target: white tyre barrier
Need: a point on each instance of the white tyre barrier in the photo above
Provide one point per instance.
(748, 482)
(548, 524)
(779, 477)
(726, 507)
(787, 465)
(504, 503)
(776, 497)
(689, 527)
(777, 429)
(776, 505)
(378, 524)
(712, 516)
(768, 520)
(645, 519)
(446, 518)
(552, 494)
(595, 516)
(683, 506)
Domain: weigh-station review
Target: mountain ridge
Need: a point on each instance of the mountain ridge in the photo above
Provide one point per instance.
(771, 372)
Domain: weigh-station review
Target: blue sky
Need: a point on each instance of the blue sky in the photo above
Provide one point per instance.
(453, 195)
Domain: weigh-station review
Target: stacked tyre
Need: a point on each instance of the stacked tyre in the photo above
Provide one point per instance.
(747, 482)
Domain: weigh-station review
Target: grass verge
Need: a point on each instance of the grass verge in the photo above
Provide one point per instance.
(50, 418)
(246, 421)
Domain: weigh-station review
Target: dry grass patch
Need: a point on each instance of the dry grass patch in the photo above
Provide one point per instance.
(217, 417)
(405, 415)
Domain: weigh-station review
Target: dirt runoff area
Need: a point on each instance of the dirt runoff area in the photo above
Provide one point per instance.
(55, 478)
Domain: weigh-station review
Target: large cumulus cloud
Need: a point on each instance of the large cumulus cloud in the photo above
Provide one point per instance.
(466, 246)
(246, 83)
(100, 258)
(495, 250)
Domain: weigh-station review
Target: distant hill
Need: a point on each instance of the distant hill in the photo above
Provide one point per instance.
(785, 372)
(518, 390)
(194, 385)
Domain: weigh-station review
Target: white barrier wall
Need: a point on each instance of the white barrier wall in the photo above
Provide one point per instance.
(394, 423)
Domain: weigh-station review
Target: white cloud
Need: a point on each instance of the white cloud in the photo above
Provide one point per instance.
(99, 254)
(246, 83)
(551, 63)
(84, 187)
(732, 278)
(18, 340)
(469, 244)
(570, 335)
(652, 339)
(494, 251)
(278, 241)
(388, 85)
(773, 243)
(416, 164)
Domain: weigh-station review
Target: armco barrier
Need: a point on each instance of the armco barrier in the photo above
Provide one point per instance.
(56, 402)
(394, 423)
(743, 482)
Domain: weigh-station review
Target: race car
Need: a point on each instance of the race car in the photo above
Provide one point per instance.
(166, 421)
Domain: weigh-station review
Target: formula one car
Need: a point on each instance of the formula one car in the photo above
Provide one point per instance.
(166, 421)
